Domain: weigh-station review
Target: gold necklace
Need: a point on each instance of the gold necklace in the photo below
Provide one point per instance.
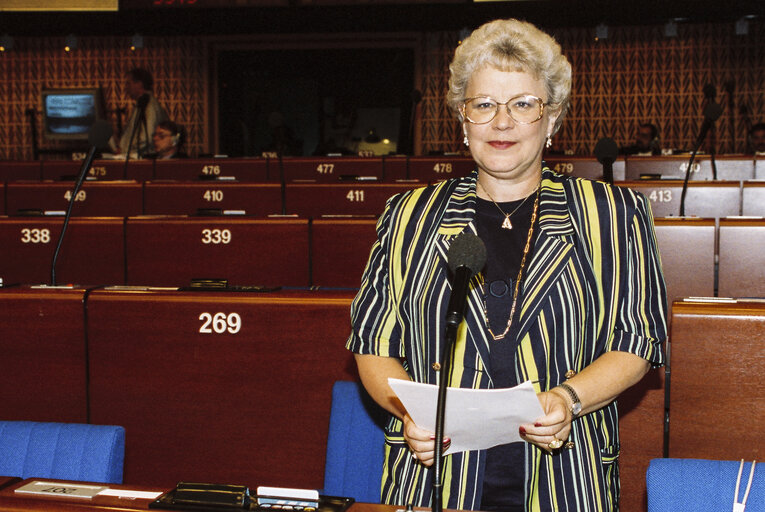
(506, 224)
(498, 337)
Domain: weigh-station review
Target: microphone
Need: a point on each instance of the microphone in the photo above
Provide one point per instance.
(606, 152)
(98, 138)
(466, 257)
(711, 113)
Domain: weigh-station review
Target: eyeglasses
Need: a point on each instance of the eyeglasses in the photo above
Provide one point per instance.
(524, 109)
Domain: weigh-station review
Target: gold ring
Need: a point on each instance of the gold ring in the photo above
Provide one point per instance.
(555, 443)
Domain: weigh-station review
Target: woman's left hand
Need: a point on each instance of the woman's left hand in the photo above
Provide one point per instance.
(555, 424)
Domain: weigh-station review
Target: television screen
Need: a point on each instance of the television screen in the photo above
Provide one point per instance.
(69, 113)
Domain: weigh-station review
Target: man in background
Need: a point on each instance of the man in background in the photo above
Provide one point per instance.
(646, 142)
(145, 116)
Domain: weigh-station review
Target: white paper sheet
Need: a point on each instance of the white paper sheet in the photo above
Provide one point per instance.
(475, 419)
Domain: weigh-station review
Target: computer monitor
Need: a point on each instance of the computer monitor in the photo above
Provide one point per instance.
(68, 114)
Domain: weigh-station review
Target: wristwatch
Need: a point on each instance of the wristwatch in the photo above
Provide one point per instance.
(576, 404)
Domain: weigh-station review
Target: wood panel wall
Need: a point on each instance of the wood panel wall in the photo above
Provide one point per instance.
(636, 74)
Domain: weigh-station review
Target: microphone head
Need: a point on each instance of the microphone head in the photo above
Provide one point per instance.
(467, 250)
(712, 111)
(606, 150)
(100, 133)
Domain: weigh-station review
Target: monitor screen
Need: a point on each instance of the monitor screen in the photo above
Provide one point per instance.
(69, 113)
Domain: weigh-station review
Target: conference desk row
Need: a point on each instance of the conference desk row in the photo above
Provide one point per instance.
(235, 387)
(127, 198)
(121, 498)
(388, 168)
(700, 256)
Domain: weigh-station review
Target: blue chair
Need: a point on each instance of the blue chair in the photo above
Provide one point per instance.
(702, 485)
(355, 445)
(65, 451)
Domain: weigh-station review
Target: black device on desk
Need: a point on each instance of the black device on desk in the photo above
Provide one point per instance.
(217, 497)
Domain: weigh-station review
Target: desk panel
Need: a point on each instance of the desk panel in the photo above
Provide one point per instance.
(340, 250)
(729, 167)
(20, 170)
(326, 169)
(430, 169)
(584, 167)
(42, 367)
(703, 198)
(741, 258)
(95, 199)
(240, 403)
(170, 251)
(395, 168)
(687, 250)
(716, 350)
(139, 170)
(314, 200)
(2, 198)
(188, 197)
(93, 251)
(753, 199)
(242, 169)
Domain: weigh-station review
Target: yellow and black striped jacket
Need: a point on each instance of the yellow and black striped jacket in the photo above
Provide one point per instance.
(594, 284)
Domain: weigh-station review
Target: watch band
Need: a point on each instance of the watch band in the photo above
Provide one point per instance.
(576, 404)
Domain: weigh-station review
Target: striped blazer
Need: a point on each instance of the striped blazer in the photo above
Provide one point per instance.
(594, 284)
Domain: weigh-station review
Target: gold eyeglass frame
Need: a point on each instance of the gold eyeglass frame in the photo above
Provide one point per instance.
(542, 106)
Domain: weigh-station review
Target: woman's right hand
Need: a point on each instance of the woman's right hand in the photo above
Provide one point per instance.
(421, 442)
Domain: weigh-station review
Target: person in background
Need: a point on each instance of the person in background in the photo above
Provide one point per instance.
(646, 142)
(757, 139)
(571, 298)
(168, 140)
(139, 87)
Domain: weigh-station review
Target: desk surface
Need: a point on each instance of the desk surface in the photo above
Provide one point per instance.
(9, 501)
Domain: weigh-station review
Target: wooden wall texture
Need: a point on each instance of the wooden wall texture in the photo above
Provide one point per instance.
(634, 75)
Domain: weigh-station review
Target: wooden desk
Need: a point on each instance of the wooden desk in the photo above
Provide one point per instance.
(340, 250)
(350, 198)
(171, 251)
(219, 387)
(325, 169)
(93, 251)
(186, 198)
(717, 393)
(437, 168)
(95, 199)
(729, 167)
(42, 355)
(584, 167)
(703, 198)
(139, 170)
(12, 502)
(5, 481)
(243, 169)
(687, 250)
(741, 258)
(16, 170)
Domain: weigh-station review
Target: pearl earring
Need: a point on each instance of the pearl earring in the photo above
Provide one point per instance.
(548, 143)
(466, 141)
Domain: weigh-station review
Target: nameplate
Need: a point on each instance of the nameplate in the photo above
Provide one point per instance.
(58, 489)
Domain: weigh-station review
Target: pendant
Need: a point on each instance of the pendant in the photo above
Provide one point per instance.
(506, 224)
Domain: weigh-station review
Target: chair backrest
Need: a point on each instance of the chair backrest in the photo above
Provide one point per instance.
(66, 451)
(355, 445)
(702, 485)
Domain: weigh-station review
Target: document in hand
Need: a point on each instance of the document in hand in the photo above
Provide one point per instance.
(475, 419)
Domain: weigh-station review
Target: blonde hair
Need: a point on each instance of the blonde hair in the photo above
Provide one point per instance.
(512, 45)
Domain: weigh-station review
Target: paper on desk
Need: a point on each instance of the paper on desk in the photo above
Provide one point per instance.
(475, 419)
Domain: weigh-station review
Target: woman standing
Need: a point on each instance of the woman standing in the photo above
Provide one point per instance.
(572, 296)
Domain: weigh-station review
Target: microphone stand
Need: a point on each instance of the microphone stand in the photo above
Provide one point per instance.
(77, 186)
(453, 319)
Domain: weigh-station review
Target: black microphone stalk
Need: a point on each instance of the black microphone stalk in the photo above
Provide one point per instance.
(711, 113)
(466, 257)
(99, 136)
